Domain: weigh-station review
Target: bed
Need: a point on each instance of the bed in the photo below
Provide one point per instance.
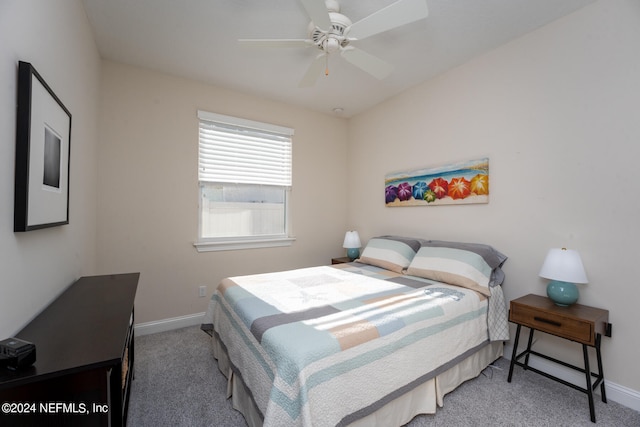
(372, 342)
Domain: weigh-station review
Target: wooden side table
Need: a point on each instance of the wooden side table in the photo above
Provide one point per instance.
(340, 260)
(580, 323)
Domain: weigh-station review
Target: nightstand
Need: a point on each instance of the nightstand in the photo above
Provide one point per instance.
(580, 323)
(340, 260)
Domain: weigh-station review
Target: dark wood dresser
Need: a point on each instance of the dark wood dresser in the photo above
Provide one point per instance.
(84, 358)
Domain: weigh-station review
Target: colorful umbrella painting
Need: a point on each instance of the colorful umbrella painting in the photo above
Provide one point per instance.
(457, 183)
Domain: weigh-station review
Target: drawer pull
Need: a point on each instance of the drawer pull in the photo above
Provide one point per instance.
(550, 322)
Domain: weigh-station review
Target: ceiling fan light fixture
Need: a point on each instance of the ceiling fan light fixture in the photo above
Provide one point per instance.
(331, 45)
(331, 39)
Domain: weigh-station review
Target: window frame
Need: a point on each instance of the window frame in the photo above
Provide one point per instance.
(208, 244)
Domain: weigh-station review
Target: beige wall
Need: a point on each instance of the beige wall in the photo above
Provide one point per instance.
(557, 112)
(37, 265)
(148, 192)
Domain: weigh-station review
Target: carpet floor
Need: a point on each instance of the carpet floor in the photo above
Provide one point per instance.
(177, 383)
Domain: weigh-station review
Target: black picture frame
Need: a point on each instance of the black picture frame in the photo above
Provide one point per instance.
(43, 148)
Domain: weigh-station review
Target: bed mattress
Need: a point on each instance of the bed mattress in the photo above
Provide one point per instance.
(336, 345)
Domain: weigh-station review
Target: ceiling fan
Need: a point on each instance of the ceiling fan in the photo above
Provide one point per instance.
(331, 32)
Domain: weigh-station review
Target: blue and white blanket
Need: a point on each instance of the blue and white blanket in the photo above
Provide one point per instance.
(329, 345)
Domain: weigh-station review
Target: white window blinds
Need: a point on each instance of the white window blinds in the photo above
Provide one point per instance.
(235, 150)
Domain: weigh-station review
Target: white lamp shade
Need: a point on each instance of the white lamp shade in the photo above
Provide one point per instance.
(351, 240)
(564, 265)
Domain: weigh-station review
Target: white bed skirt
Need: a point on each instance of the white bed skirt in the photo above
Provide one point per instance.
(421, 400)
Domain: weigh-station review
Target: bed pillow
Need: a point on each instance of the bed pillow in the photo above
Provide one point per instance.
(390, 252)
(454, 266)
(491, 256)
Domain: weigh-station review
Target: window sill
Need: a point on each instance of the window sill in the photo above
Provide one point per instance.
(233, 245)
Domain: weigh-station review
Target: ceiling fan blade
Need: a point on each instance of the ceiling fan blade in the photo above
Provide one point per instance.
(367, 62)
(276, 42)
(395, 15)
(317, 11)
(314, 71)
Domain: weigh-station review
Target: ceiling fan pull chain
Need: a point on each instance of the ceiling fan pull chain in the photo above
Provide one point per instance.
(326, 68)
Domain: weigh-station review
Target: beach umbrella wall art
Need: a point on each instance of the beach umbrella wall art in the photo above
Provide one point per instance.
(452, 184)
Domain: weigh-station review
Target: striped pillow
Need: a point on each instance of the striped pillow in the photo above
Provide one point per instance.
(391, 253)
(453, 266)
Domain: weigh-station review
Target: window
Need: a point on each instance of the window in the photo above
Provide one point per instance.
(244, 174)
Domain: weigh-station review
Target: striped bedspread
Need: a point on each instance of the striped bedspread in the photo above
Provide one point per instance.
(329, 345)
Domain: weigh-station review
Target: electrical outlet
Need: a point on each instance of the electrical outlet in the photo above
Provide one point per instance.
(203, 291)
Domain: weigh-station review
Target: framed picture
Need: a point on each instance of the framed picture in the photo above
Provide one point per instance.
(451, 184)
(43, 137)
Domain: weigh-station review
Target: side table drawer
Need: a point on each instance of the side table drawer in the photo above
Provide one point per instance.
(552, 323)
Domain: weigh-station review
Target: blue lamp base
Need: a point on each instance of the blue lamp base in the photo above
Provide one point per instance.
(562, 293)
(353, 253)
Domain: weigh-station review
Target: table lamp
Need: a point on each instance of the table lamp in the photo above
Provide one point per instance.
(564, 268)
(352, 244)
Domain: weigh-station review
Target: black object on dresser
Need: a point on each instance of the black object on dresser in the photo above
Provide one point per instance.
(83, 372)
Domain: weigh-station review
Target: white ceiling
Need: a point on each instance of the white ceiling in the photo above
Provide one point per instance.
(197, 39)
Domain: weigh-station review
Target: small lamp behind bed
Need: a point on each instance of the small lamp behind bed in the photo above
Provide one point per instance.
(352, 244)
(564, 268)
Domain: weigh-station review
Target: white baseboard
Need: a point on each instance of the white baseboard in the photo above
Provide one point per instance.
(620, 394)
(168, 324)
